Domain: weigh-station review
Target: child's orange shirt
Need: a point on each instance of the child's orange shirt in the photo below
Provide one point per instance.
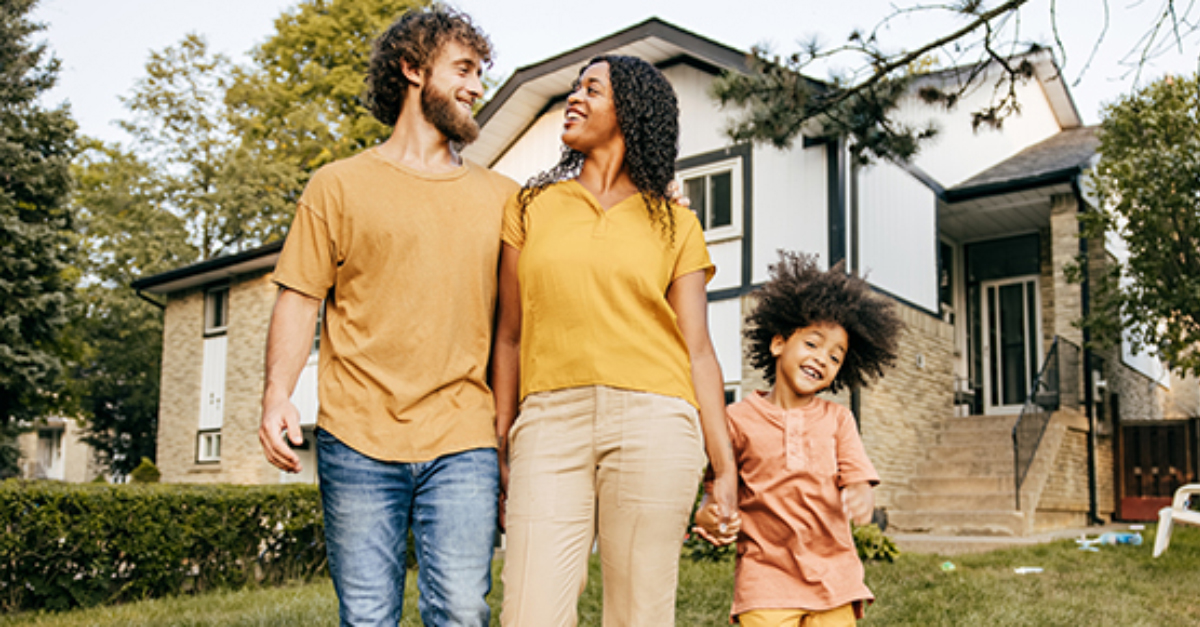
(796, 550)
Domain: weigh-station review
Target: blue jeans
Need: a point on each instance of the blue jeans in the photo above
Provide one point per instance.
(450, 504)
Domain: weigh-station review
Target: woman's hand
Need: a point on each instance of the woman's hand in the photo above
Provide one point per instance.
(714, 524)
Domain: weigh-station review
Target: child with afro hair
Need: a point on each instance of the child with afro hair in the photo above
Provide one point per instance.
(803, 474)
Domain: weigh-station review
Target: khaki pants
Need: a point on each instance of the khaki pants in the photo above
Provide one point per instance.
(591, 460)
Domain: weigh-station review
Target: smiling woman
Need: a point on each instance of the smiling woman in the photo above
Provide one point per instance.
(602, 338)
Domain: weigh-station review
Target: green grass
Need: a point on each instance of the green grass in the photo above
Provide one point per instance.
(1119, 585)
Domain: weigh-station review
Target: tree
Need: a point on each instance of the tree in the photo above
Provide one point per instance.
(1148, 181)
(299, 103)
(124, 232)
(36, 146)
(774, 102)
(228, 198)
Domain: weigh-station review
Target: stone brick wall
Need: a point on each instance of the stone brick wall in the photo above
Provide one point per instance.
(179, 391)
(250, 300)
(900, 412)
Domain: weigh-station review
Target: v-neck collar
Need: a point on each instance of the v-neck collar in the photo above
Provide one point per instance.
(595, 202)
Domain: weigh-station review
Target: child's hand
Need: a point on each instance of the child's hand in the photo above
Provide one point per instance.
(710, 527)
(859, 502)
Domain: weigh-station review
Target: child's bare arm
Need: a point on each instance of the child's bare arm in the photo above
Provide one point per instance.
(709, 525)
(859, 500)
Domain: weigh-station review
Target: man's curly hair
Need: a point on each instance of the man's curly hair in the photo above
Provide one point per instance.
(648, 116)
(415, 38)
(799, 294)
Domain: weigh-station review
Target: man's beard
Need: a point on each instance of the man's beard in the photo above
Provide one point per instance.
(443, 112)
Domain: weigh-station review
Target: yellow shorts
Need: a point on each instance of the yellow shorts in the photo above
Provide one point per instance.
(837, 617)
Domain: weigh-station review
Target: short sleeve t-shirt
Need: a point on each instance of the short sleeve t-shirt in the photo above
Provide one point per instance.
(593, 289)
(406, 263)
(796, 550)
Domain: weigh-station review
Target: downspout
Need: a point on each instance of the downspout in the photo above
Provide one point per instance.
(852, 262)
(1089, 401)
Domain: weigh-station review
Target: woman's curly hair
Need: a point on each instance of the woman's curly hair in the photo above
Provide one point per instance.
(799, 294)
(415, 38)
(648, 116)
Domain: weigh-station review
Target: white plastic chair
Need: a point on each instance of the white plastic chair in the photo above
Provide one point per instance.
(1177, 512)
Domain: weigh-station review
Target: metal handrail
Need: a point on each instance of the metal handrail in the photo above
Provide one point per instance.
(1056, 385)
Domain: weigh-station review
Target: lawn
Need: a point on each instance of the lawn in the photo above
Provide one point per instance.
(1119, 585)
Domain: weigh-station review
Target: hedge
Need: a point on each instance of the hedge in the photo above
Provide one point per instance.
(80, 545)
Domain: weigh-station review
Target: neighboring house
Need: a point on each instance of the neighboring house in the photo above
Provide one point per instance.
(52, 449)
(970, 240)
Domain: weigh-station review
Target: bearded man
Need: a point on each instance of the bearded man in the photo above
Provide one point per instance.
(401, 243)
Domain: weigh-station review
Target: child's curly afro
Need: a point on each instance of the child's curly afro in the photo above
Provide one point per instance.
(799, 294)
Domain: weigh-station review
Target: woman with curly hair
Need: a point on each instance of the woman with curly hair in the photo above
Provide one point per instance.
(602, 339)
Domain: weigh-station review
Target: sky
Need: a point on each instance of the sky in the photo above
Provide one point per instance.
(103, 45)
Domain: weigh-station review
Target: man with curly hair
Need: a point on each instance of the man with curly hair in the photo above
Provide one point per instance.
(803, 473)
(401, 243)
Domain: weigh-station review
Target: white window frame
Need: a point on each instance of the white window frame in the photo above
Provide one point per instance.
(208, 446)
(734, 167)
(211, 297)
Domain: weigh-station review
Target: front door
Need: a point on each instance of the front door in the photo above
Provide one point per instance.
(1011, 342)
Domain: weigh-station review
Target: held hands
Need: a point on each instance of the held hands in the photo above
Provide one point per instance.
(717, 524)
(858, 499)
(279, 418)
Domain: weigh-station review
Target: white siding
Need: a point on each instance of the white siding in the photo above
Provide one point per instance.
(958, 152)
(304, 397)
(537, 150)
(212, 383)
(725, 327)
(898, 243)
(791, 210)
(700, 121)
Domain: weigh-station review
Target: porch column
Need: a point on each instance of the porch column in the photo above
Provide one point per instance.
(1067, 301)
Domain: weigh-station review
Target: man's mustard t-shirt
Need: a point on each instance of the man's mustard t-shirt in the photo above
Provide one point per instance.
(406, 263)
(593, 287)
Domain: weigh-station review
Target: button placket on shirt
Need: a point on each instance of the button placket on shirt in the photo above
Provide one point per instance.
(794, 442)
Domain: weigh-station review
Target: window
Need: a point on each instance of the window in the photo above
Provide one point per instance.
(208, 446)
(715, 191)
(733, 393)
(216, 310)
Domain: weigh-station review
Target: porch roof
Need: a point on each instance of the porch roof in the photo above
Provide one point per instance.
(1013, 196)
(1053, 160)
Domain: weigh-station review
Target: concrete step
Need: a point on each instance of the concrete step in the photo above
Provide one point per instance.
(999, 423)
(963, 484)
(979, 467)
(957, 502)
(1000, 522)
(974, 437)
(969, 452)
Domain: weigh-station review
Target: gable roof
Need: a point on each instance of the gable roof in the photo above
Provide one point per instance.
(1045, 71)
(1053, 160)
(211, 270)
(526, 94)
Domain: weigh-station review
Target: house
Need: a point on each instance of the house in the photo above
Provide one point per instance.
(53, 449)
(970, 240)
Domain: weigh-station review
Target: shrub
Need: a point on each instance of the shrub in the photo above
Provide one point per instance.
(873, 545)
(146, 472)
(80, 545)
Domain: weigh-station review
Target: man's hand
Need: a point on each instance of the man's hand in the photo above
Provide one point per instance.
(859, 501)
(278, 418)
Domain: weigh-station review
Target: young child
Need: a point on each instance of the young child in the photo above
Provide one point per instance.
(803, 473)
